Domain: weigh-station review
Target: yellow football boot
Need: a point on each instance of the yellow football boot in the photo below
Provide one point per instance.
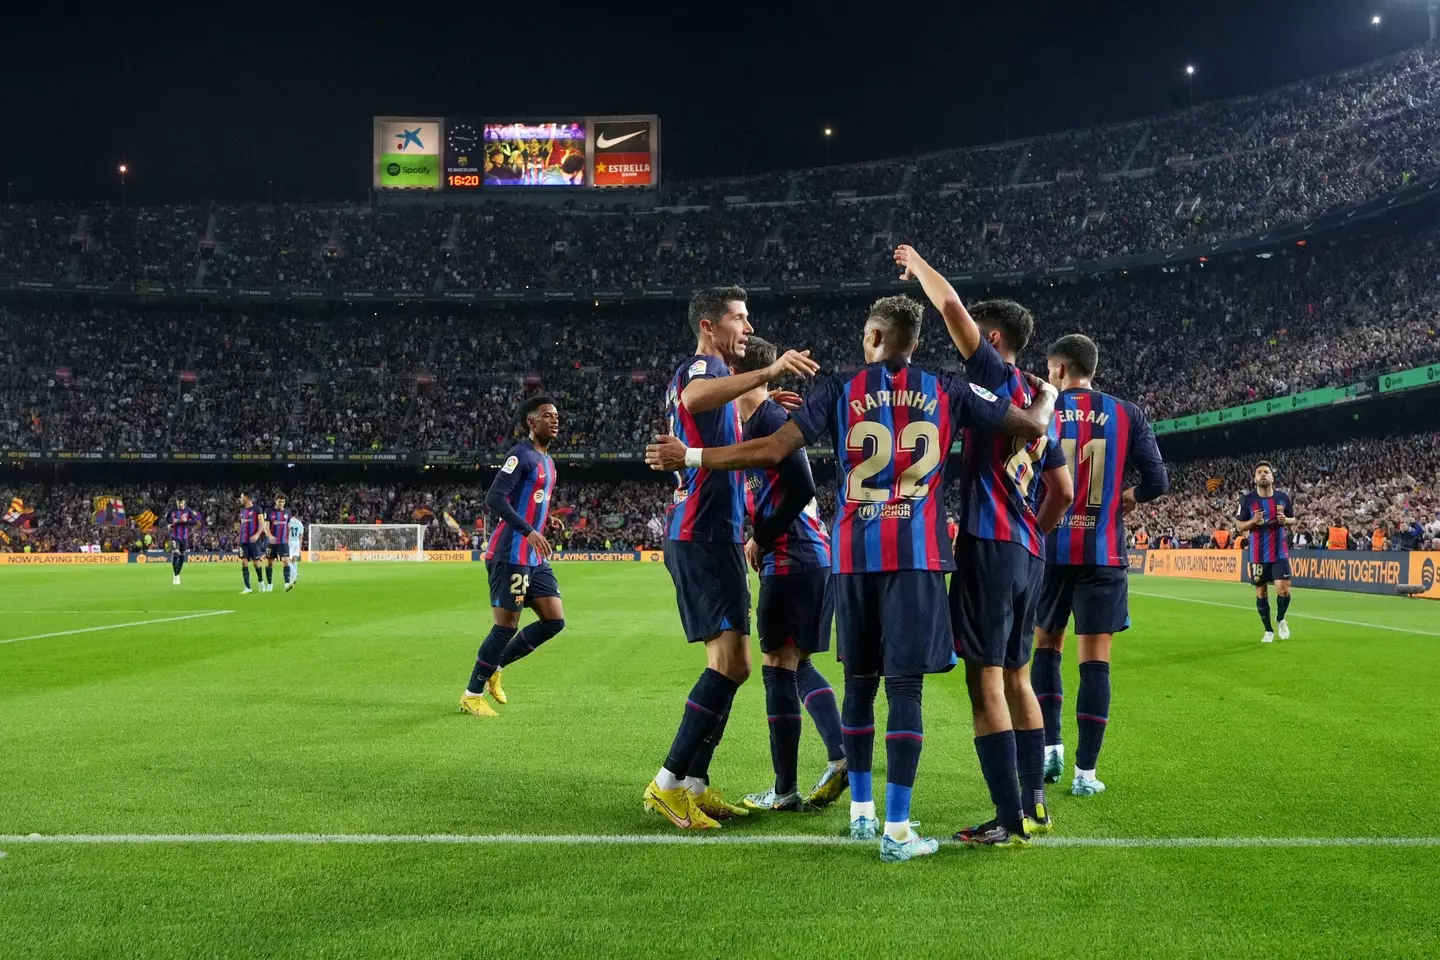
(475, 705)
(496, 691)
(713, 804)
(675, 806)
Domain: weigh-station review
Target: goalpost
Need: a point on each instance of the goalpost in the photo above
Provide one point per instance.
(368, 541)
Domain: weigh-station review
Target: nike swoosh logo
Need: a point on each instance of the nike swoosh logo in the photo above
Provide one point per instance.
(679, 821)
(605, 144)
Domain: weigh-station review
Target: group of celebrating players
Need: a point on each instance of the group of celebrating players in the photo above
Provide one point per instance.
(267, 535)
(1041, 539)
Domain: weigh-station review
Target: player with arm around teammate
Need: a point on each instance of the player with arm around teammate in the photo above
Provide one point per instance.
(999, 559)
(892, 424)
(1086, 563)
(517, 559)
(1266, 516)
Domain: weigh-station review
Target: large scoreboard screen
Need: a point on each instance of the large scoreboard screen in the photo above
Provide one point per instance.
(468, 154)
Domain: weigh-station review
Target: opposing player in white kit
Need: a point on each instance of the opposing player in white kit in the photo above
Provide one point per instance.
(296, 535)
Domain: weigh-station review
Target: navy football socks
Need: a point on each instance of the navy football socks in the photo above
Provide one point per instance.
(269, 574)
(1045, 679)
(904, 737)
(857, 726)
(705, 710)
(1092, 711)
(1282, 604)
(1030, 761)
(819, 700)
(782, 710)
(487, 661)
(245, 572)
(528, 639)
(1262, 604)
(997, 762)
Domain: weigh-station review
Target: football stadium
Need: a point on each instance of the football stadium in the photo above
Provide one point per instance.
(898, 512)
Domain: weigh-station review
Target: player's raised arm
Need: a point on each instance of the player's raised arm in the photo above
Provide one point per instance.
(964, 331)
(703, 394)
(667, 454)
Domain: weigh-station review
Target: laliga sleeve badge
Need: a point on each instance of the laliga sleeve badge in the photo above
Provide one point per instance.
(510, 465)
(982, 393)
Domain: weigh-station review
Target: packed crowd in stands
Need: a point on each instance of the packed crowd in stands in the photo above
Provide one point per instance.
(1213, 172)
(1391, 485)
(103, 377)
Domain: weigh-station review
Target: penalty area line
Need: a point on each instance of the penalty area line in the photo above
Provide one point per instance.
(117, 626)
(1300, 616)
(671, 839)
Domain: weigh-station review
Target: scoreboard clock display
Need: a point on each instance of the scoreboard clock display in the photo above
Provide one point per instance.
(464, 155)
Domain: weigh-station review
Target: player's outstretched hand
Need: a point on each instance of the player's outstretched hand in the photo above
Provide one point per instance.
(1128, 502)
(788, 399)
(538, 541)
(905, 258)
(666, 454)
(797, 362)
(1036, 384)
(752, 554)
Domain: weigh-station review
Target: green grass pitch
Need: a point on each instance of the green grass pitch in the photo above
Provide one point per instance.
(332, 710)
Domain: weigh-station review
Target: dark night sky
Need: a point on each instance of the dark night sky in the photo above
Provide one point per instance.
(202, 106)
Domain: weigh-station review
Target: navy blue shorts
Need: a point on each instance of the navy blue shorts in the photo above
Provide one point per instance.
(1098, 596)
(179, 548)
(796, 610)
(1263, 573)
(279, 551)
(712, 587)
(993, 593)
(514, 586)
(253, 551)
(894, 623)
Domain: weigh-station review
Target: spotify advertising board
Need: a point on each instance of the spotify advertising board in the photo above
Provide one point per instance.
(407, 154)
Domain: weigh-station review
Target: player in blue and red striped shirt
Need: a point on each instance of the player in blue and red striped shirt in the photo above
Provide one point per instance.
(182, 522)
(790, 549)
(1266, 514)
(703, 552)
(998, 551)
(517, 559)
(252, 547)
(892, 424)
(1086, 559)
(277, 522)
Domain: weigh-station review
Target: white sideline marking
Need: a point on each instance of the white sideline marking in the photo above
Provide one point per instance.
(1303, 616)
(667, 839)
(117, 626)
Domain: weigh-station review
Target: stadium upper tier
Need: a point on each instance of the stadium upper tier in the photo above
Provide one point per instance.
(100, 376)
(1218, 171)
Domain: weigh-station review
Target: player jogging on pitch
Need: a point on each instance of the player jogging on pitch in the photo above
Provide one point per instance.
(182, 522)
(1086, 562)
(892, 425)
(517, 560)
(1265, 516)
(999, 551)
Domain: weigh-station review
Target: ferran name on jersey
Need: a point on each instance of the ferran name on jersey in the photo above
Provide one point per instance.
(510, 465)
(883, 511)
(1071, 415)
(896, 398)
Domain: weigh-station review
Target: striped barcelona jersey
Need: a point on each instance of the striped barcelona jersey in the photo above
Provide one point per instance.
(525, 483)
(709, 505)
(806, 545)
(1270, 541)
(279, 524)
(1101, 436)
(182, 524)
(893, 425)
(999, 492)
(249, 523)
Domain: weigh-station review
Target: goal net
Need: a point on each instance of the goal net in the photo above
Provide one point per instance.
(382, 541)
